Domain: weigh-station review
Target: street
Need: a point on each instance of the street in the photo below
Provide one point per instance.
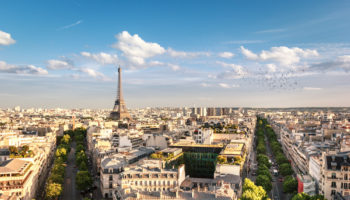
(277, 186)
(69, 191)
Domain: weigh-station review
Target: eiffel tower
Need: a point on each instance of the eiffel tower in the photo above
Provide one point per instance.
(119, 110)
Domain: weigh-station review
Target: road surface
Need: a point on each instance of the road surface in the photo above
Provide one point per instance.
(69, 190)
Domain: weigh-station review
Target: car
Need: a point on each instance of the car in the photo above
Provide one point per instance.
(254, 174)
(275, 197)
(280, 179)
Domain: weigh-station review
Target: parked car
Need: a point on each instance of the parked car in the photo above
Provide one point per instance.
(281, 179)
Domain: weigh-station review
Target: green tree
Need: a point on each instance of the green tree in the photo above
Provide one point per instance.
(56, 178)
(290, 185)
(53, 190)
(266, 173)
(221, 159)
(80, 157)
(83, 180)
(261, 149)
(252, 191)
(264, 181)
(61, 152)
(80, 148)
(83, 166)
(318, 197)
(264, 160)
(58, 169)
(238, 160)
(280, 158)
(262, 167)
(303, 196)
(286, 169)
(65, 139)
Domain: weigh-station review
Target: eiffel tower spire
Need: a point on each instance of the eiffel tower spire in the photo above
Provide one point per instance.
(119, 110)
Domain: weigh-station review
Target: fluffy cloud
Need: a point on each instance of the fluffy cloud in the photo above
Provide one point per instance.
(248, 54)
(6, 39)
(184, 54)
(102, 58)
(227, 86)
(271, 67)
(237, 71)
(95, 74)
(21, 69)
(174, 67)
(341, 62)
(58, 64)
(135, 49)
(226, 54)
(283, 55)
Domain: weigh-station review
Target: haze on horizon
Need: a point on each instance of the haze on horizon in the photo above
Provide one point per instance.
(184, 53)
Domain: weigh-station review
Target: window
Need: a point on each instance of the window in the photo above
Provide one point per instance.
(333, 185)
(345, 185)
(110, 185)
(333, 192)
(346, 177)
(111, 177)
(334, 175)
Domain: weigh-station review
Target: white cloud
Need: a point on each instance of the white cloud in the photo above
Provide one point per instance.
(102, 58)
(184, 54)
(205, 85)
(283, 55)
(174, 67)
(341, 62)
(155, 63)
(71, 25)
(237, 71)
(95, 74)
(135, 49)
(227, 86)
(271, 67)
(226, 54)
(21, 69)
(58, 64)
(312, 88)
(6, 39)
(248, 54)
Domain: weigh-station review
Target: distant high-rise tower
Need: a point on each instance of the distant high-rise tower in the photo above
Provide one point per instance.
(119, 110)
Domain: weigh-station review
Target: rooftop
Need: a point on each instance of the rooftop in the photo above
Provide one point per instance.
(13, 166)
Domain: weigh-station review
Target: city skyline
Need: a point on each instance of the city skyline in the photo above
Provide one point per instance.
(198, 53)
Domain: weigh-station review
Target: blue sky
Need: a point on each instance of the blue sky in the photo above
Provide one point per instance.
(175, 53)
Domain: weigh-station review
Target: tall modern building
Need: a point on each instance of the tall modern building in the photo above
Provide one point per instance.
(119, 110)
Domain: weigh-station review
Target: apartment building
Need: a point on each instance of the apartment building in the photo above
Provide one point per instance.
(149, 177)
(16, 178)
(335, 175)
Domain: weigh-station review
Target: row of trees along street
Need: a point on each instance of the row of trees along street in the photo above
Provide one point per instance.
(83, 178)
(259, 190)
(290, 184)
(262, 184)
(264, 177)
(54, 187)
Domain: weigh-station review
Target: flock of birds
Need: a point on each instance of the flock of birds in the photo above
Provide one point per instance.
(277, 81)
